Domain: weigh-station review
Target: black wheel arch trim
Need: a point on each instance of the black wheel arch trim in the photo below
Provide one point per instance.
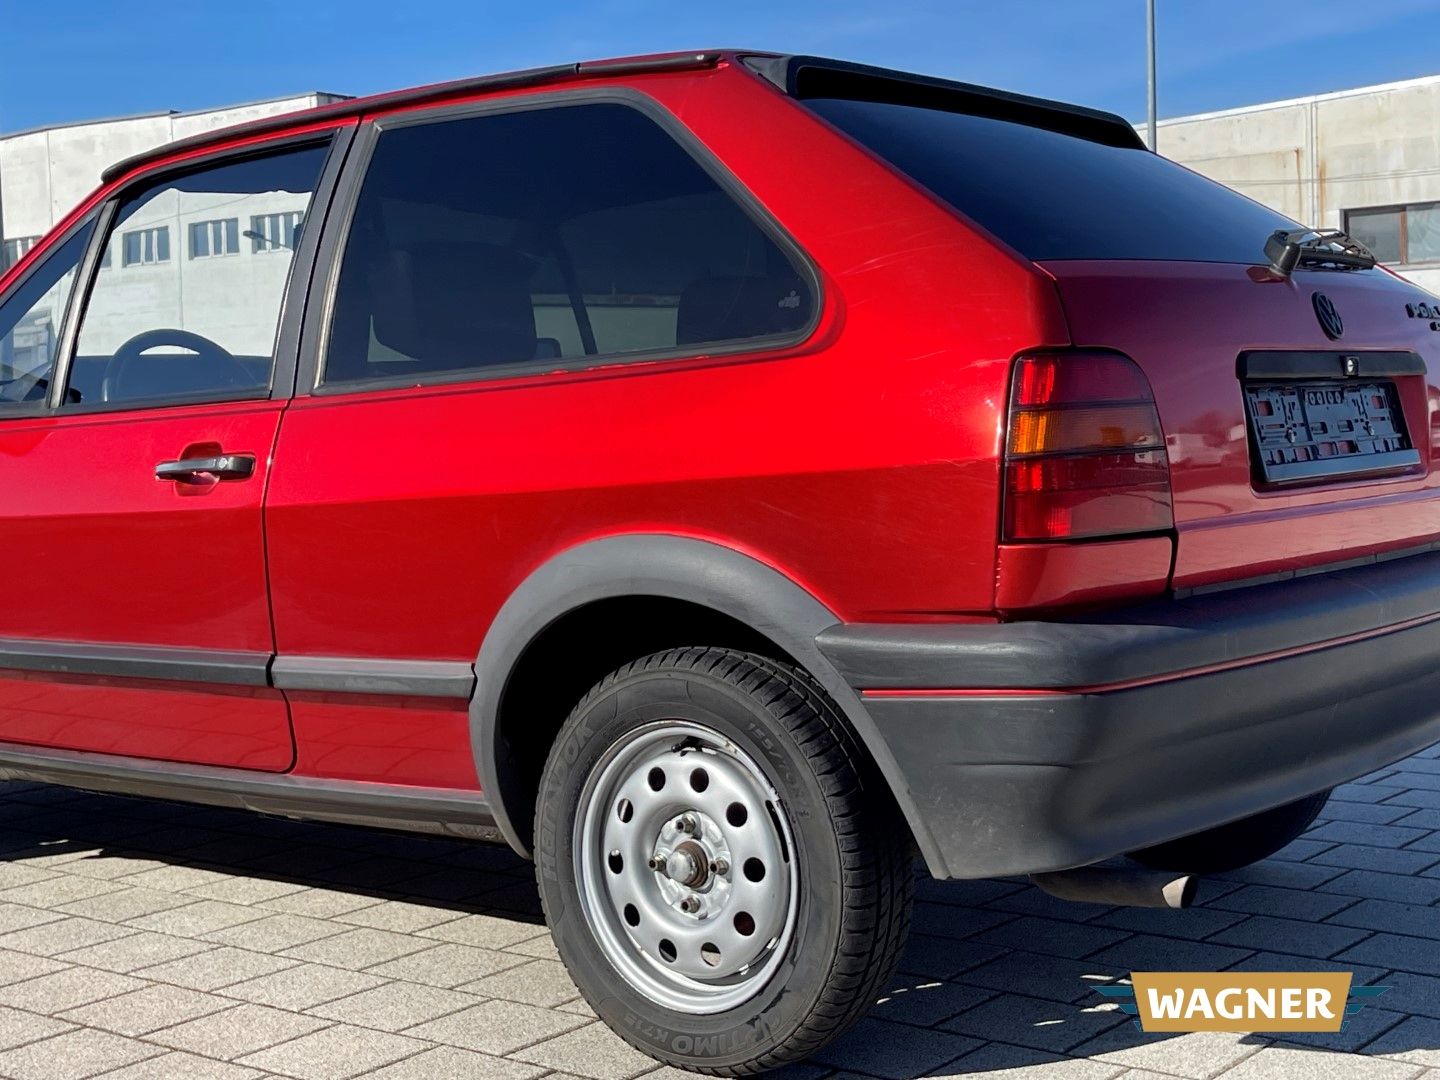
(673, 567)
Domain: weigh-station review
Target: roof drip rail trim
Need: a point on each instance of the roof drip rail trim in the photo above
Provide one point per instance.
(420, 95)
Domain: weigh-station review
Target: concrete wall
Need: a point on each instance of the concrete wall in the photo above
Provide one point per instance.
(1314, 158)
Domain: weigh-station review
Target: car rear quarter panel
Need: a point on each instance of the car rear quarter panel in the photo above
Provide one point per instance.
(861, 463)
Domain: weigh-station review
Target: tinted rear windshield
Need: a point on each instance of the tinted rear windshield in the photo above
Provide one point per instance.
(1055, 196)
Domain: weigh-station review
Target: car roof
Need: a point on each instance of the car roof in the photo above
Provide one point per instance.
(419, 95)
(797, 75)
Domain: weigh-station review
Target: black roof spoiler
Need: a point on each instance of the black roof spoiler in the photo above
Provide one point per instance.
(815, 76)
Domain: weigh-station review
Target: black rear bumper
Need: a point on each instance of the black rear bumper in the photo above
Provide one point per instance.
(1062, 743)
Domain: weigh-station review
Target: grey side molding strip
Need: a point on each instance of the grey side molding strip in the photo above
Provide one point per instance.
(137, 661)
(351, 675)
(415, 809)
(341, 674)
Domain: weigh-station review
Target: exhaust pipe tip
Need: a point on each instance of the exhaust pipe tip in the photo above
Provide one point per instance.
(1180, 892)
(1120, 886)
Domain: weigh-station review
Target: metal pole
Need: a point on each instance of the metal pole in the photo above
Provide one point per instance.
(4, 262)
(1150, 69)
(7, 338)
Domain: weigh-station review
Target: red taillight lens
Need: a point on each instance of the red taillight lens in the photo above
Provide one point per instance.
(1084, 454)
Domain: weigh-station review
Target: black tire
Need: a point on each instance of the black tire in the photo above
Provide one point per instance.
(1237, 844)
(852, 850)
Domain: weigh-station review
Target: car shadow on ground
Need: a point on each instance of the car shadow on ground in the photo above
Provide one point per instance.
(997, 975)
(83, 830)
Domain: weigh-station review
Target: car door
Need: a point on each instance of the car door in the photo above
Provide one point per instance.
(135, 456)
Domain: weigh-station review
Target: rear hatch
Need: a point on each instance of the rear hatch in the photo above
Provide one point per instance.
(1287, 448)
(1296, 411)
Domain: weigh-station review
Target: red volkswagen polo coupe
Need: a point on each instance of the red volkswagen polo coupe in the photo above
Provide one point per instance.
(729, 475)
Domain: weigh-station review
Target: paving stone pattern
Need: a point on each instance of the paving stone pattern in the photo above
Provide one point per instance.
(146, 939)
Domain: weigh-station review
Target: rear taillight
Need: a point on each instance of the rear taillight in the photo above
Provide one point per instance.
(1084, 454)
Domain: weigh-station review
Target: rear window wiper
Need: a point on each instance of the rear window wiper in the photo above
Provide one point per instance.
(1316, 249)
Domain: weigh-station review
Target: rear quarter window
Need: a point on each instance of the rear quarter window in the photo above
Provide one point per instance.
(554, 235)
(1052, 195)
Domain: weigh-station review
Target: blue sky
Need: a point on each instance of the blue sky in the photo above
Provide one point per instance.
(102, 58)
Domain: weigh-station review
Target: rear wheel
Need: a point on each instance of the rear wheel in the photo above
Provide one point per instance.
(719, 864)
(1237, 844)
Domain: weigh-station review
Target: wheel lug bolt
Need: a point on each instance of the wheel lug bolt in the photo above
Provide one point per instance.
(688, 824)
(657, 862)
(690, 905)
(720, 866)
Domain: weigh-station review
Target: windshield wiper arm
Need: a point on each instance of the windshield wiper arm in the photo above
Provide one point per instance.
(1315, 248)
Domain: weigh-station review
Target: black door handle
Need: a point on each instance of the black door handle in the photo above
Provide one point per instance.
(205, 470)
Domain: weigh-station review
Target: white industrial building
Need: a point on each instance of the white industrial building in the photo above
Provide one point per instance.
(238, 249)
(1366, 160)
(44, 173)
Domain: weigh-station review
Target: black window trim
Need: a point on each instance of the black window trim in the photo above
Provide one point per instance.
(292, 304)
(315, 340)
(13, 410)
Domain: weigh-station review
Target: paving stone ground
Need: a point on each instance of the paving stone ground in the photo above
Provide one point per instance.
(152, 940)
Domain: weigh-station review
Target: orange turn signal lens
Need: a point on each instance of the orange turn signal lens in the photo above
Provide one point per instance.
(1085, 427)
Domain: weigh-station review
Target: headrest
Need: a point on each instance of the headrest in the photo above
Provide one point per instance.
(454, 305)
(735, 308)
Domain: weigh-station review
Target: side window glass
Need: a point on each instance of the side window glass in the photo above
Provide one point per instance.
(30, 322)
(549, 234)
(181, 308)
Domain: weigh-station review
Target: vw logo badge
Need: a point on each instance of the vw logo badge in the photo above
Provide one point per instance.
(1329, 317)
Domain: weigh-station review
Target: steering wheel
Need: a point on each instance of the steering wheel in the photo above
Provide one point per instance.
(214, 369)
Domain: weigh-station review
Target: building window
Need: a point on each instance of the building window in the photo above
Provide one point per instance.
(16, 249)
(274, 232)
(209, 239)
(1398, 234)
(146, 246)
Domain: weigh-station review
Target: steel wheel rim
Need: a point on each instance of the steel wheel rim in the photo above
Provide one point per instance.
(692, 938)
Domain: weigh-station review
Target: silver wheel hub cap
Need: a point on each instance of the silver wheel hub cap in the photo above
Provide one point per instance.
(684, 867)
